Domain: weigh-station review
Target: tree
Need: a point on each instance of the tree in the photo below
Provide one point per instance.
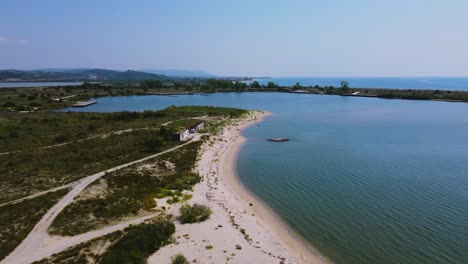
(297, 86)
(344, 84)
(255, 85)
(344, 87)
(271, 85)
(239, 86)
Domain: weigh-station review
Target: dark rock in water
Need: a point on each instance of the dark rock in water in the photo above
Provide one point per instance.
(278, 139)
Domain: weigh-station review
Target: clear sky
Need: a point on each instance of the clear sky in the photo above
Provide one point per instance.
(240, 37)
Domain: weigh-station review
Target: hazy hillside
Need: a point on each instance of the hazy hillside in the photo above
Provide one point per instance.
(180, 73)
(78, 75)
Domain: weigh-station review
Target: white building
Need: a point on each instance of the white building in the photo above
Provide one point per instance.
(198, 126)
(182, 135)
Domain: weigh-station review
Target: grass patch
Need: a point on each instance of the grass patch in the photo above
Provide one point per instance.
(179, 259)
(17, 220)
(194, 213)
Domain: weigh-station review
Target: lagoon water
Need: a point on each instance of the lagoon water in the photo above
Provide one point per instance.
(365, 180)
(432, 83)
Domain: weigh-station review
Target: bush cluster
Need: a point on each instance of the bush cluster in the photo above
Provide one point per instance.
(194, 213)
(140, 242)
(179, 259)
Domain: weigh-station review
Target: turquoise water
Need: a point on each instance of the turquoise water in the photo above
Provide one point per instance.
(365, 180)
(441, 83)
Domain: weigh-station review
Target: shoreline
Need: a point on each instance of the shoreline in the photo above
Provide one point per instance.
(242, 228)
(302, 250)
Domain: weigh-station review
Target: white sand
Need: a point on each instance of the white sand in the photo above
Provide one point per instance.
(259, 232)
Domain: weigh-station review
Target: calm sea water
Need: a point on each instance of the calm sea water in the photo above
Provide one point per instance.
(37, 84)
(431, 83)
(365, 180)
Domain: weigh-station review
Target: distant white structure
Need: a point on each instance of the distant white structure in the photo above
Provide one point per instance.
(198, 126)
(84, 103)
(182, 135)
(355, 93)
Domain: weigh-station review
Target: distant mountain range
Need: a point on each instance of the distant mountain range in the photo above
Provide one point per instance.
(79, 75)
(180, 73)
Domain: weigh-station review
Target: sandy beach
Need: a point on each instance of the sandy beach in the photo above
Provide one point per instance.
(242, 229)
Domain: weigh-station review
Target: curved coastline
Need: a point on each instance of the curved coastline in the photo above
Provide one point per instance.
(287, 238)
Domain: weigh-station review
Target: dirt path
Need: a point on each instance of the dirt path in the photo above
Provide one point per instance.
(36, 245)
(41, 193)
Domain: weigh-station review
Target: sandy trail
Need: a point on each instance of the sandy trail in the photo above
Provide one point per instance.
(37, 243)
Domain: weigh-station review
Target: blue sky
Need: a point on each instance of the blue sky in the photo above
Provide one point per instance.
(254, 38)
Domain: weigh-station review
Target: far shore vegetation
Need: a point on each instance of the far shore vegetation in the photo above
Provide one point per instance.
(27, 99)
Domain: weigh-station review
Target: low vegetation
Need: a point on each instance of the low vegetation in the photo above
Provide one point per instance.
(130, 191)
(87, 252)
(132, 245)
(179, 259)
(26, 131)
(17, 220)
(140, 242)
(194, 213)
(28, 172)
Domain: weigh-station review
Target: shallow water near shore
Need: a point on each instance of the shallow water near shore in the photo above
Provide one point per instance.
(364, 180)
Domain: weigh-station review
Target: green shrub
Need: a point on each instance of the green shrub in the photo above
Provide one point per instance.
(140, 242)
(179, 259)
(9, 104)
(194, 213)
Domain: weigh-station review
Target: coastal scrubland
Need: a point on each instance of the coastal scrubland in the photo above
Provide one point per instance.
(33, 164)
(130, 192)
(17, 220)
(131, 245)
(37, 163)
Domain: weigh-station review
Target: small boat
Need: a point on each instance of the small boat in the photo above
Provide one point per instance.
(278, 139)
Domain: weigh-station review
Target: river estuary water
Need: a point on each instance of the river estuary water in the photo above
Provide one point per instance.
(365, 180)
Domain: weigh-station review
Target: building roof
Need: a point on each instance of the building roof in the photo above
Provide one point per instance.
(181, 131)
